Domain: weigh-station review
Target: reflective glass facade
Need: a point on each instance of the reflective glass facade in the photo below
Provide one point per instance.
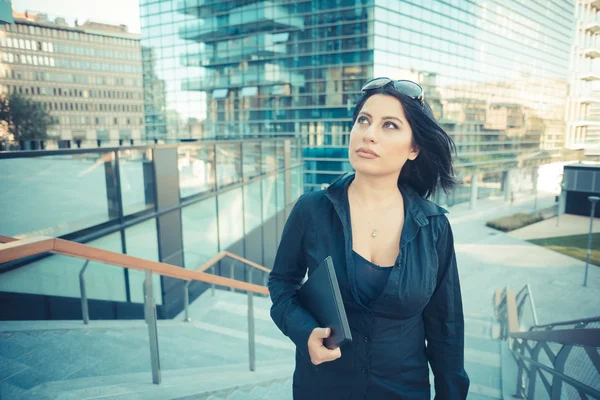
(496, 73)
(176, 204)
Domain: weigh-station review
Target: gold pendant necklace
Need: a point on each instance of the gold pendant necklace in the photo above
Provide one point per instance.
(375, 232)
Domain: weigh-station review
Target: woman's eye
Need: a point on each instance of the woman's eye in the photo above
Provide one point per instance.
(362, 120)
(390, 125)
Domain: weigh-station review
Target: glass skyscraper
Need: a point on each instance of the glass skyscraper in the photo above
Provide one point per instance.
(496, 74)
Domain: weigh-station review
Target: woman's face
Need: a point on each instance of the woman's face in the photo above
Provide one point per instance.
(381, 139)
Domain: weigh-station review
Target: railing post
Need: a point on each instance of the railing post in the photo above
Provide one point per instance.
(520, 390)
(559, 366)
(150, 311)
(251, 343)
(231, 275)
(266, 281)
(212, 286)
(532, 303)
(186, 301)
(84, 303)
(533, 370)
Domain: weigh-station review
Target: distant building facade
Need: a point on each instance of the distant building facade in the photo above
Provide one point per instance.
(88, 77)
(583, 108)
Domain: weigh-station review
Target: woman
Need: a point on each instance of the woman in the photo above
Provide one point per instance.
(394, 256)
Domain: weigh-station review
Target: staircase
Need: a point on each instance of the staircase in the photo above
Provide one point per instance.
(482, 358)
(202, 359)
(205, 359)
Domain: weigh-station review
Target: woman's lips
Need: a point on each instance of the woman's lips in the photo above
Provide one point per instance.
(367, 153)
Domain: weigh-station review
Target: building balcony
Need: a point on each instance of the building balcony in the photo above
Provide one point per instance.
(591, 52)
(255, 17)
(589, 121)
(592, 3)
(262, 75)
(207, 8)
(592, 27)
(590, 77)
(234, 51)
(593, 99)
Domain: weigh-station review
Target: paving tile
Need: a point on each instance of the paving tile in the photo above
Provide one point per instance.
(10, 368)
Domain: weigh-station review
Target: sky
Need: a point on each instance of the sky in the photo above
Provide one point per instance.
(108, 11)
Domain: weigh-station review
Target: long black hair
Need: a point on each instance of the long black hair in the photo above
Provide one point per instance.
(432, 170)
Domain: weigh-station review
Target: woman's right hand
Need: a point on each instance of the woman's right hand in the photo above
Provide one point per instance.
(317, 351)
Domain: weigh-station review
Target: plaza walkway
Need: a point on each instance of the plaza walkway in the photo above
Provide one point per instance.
(489, 259)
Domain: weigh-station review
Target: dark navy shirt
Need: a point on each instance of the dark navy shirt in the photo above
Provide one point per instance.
(415, 322)
(370, 278)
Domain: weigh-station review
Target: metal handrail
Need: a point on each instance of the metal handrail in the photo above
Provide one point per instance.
(38, 245)
(580, 322)
(528, 294)
(507, 312)
(13, 249)
(6, 154)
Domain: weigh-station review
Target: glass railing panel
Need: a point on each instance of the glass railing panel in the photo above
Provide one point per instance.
(281, 191)
(269, 159)
(196, 165)
(200, 238)
(56, 195)
(252, 206)
(137, 180)
(231, 228)
(251, 162)
(269, 204)
(229, 164)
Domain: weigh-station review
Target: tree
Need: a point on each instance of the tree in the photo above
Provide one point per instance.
(24, 118)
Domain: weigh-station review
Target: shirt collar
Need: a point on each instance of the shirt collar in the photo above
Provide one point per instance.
(415, 205)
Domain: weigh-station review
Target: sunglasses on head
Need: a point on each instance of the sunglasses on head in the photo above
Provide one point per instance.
(407, 88)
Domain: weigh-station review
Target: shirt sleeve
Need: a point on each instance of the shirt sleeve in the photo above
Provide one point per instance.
(444, 325)
(288, 271)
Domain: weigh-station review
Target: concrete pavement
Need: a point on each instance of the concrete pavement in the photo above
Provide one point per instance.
(489, 259)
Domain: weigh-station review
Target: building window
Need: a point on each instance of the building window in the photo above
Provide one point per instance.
(116, 121)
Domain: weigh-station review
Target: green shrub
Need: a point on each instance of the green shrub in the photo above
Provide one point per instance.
(512, 222)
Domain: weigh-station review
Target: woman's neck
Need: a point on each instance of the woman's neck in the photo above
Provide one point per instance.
(374, 191)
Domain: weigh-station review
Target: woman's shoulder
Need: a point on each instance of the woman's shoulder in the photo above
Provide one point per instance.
(309, 200)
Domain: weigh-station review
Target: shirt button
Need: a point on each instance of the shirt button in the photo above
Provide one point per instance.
(366, 339)
(364, 370)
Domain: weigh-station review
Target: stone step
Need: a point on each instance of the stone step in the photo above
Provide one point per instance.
(112, 358)
(65, 355)
(277, 390)
(197, 383)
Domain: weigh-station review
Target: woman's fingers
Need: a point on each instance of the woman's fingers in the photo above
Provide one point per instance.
(318, 352)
